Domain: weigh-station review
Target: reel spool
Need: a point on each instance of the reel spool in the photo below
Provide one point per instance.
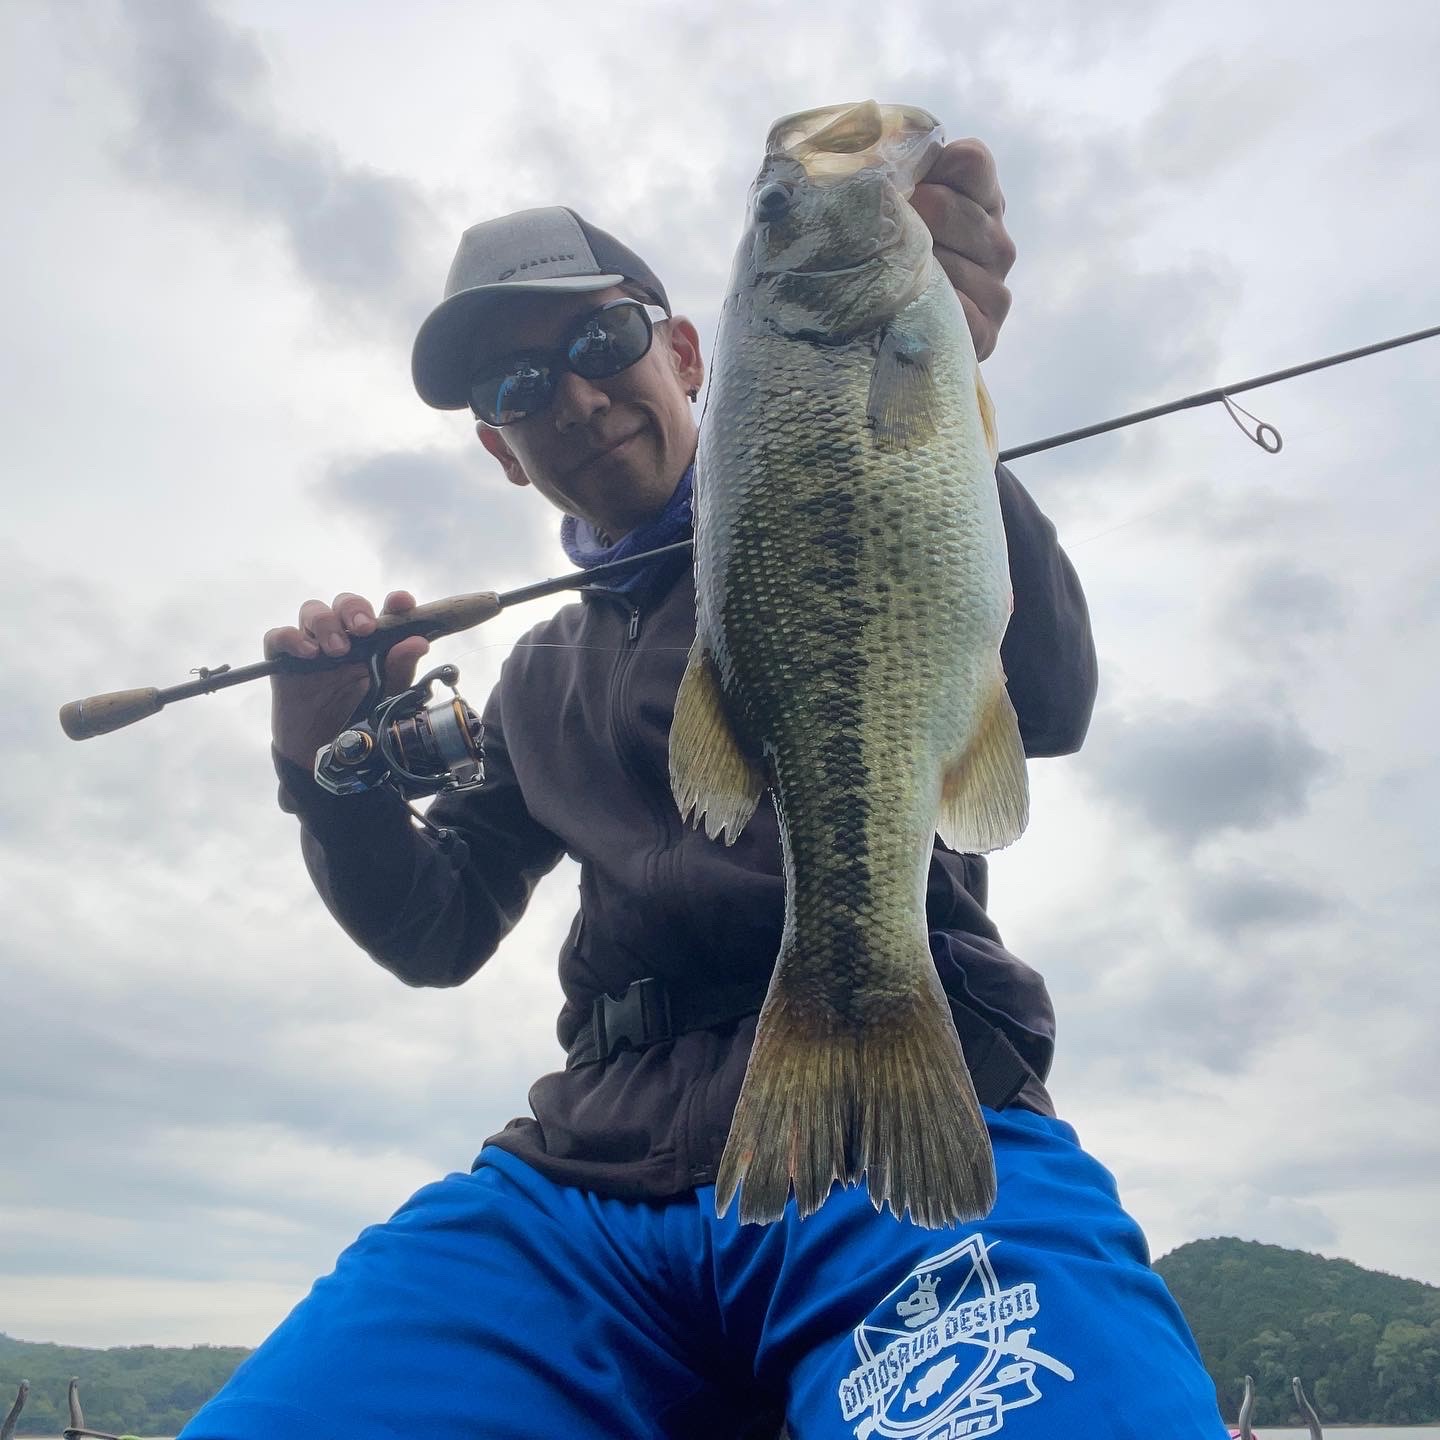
(414, 745)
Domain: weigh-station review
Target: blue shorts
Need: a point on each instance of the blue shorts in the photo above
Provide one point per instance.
(498, 1304)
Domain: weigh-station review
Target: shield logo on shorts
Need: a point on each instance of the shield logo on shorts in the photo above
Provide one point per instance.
(940, 1357)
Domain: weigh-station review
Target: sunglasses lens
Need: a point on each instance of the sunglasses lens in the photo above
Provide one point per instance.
(512, 395)
(607, 342)
(612, 340)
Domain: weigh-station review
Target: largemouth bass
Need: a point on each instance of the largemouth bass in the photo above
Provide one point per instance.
(852, 590)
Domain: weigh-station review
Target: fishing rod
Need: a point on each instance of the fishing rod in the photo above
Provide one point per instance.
(100, 714)
(1265, 436)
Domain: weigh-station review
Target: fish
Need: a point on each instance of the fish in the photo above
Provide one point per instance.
(932, 1382)
(852, 590)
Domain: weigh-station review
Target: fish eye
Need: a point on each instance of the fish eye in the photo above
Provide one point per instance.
(773, 201)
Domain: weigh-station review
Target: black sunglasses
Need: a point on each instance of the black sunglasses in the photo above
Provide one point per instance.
(603, 343)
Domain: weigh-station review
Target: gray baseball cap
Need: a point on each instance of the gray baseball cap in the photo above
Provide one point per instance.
(550, 249)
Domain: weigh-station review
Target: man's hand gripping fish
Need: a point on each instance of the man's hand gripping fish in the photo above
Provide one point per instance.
(852, 591)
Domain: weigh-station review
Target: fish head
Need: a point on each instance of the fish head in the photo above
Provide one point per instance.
(833, 246)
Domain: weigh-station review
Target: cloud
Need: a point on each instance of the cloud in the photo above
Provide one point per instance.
(1194, 771)
(1251, 1213)
(448, 517)
(1216, 109)
(1238, 902)
(204, 127)
(1277, 602)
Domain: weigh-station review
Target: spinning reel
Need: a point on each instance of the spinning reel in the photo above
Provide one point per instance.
(414, 745)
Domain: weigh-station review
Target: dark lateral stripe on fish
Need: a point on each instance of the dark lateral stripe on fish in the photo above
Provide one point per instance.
(841, 807)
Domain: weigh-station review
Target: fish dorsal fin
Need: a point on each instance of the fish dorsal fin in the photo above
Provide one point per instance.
(903, 405)
(709, 773)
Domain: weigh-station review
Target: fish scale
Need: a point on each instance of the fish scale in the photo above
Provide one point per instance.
(851, 593)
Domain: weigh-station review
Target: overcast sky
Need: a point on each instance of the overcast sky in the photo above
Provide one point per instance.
(225, 222)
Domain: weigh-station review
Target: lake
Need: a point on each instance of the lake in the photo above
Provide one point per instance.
(1355, 1432)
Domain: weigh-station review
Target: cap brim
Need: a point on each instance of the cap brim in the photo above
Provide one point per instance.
(445, 345)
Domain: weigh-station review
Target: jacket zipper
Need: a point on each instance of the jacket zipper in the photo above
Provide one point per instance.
(622, 733)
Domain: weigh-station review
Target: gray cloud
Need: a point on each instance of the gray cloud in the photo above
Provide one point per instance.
(177, 769)
(1241, 902)
(449, 518)
(1277, 602)
(204, 127)
(1194, 771)
(1138, 1002)
(1254, 1213)
(1216, 109)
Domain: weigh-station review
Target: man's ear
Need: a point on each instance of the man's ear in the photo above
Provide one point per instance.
(685, 347)
(494, 442)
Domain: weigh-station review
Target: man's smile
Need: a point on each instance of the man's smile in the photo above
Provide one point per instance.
(606, 448)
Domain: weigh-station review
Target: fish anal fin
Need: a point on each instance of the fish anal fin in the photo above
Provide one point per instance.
(903, 406)
(985, 794)
(709, 774)
(890, 1100)
(987, 417)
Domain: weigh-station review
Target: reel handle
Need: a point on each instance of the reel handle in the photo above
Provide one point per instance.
(100, 714)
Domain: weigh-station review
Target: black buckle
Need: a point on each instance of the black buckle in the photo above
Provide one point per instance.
(639, 1016)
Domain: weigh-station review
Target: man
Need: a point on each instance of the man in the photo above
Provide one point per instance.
(577, 1281)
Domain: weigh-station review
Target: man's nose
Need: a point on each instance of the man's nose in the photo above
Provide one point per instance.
(577, 401)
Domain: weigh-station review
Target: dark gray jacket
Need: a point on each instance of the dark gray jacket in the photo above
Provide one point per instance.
(576, 755)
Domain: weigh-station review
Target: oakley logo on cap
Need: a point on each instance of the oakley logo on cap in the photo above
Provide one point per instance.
(530, 264)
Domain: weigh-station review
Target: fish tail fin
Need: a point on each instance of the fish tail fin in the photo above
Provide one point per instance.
(709, 774)
(826, 1100)
(985, 794)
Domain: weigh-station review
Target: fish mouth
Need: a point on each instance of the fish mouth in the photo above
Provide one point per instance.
(843, 270)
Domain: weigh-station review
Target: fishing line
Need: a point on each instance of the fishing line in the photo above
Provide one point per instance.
(564, 645)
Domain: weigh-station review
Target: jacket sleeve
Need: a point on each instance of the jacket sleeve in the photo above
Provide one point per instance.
(1048, 651)
(430, 913)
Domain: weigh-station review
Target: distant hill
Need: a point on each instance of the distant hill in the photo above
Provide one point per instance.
(134, 1389)
(1366, 1344)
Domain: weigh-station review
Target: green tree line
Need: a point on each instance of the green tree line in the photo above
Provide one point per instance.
(134, 1389)
(1366, 1344)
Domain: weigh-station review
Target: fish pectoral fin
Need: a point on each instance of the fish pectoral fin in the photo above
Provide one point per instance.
(985, 795)
(987, 417)
(709, 774)
(903, 407)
